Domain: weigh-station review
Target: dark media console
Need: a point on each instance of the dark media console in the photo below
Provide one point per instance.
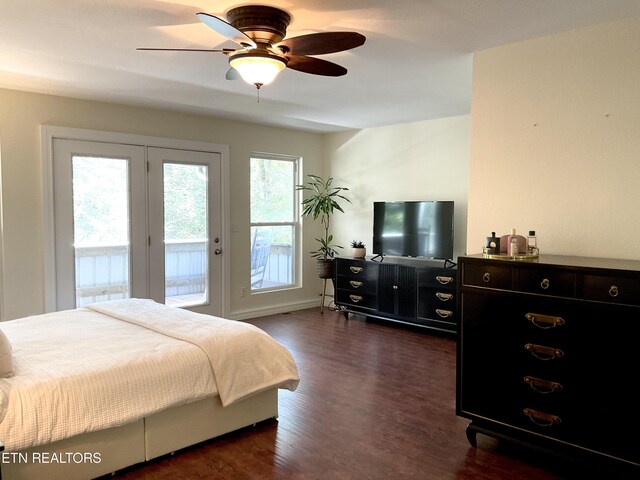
(411, 291)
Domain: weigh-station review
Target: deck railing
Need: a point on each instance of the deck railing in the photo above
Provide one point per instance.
(102, 272)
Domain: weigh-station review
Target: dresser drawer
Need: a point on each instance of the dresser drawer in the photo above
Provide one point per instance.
(358, 270)
(487, 275)
(358, 285)
(545, 282)
(357, 299)
(615, 289)
(441, 278)
(443, 313)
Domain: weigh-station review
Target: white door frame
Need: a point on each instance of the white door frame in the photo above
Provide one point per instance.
(48, 133)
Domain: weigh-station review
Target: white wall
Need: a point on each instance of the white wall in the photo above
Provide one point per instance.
(555, 141)
(21, 115)
(425, 160)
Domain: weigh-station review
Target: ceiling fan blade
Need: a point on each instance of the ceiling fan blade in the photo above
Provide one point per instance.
(232, 74)
(321, 43)
(219, 50)
(315, 66)
(226, 29)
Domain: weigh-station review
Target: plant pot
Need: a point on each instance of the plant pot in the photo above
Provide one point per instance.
(359, 252)
(325, 268)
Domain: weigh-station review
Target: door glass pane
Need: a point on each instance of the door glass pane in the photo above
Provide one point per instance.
(186, 237)
(101, 228)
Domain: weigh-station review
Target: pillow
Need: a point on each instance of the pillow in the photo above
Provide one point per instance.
(6, 356)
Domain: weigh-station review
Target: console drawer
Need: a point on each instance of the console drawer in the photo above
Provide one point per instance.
(441, 278)
(357, 299)
(357, 270)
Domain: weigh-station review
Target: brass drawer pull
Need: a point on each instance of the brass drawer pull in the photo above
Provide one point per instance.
(444, 280)
(541, 419)
(444, 313)
(613, 291)
(542, 386)
(445, 297)
(486, 278)
(545, 283)
(544, 321)
(356, 269)
(355, 283)
(355, 298)
(543, 353)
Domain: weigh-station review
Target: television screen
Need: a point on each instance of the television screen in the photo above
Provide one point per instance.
(413, 229)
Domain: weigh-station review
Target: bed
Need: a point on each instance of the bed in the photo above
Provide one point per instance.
(90, 391)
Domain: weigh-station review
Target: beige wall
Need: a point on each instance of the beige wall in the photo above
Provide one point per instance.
(425, 160)
(555, 141)
(21, 115)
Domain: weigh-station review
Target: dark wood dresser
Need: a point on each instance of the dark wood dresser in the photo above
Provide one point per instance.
(548, 354)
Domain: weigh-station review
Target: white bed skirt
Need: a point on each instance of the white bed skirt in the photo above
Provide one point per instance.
(95, 454)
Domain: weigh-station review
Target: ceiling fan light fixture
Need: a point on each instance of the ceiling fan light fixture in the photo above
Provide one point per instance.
(257, 68)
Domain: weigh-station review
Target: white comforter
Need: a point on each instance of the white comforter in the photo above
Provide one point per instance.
(112, 363)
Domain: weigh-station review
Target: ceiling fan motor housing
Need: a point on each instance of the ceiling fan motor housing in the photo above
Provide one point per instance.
(260, 23)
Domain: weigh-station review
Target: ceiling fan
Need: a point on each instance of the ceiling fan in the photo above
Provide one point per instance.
(260, 32)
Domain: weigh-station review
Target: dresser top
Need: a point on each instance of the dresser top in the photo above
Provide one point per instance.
(564, 261)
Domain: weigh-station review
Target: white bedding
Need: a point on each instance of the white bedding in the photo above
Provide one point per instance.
(83, 370)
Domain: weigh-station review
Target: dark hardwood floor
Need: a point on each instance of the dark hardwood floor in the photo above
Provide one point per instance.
(376, 401)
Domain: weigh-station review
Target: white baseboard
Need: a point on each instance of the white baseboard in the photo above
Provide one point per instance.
(284, 308)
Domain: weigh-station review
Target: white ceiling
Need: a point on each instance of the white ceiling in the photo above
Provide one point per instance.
(415, 65)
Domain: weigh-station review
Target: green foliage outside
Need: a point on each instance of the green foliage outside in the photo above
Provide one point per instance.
(101, 208)
(272, 199)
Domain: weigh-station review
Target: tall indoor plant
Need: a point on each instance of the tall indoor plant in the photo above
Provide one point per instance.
(322, 201)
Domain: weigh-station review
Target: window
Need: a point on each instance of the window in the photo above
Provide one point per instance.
(274, 221)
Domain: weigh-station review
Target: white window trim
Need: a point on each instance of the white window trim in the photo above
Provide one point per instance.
(47, 135)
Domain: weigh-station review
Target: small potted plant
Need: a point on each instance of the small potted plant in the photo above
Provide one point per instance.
(359, 249)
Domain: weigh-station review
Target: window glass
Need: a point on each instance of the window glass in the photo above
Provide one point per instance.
(274, 222)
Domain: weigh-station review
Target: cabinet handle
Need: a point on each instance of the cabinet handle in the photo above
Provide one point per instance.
(355, 283)
(543, 353)
(355, 298)
(541, 419)
(544, 321)
(444, 280)
(444, 313)
(613, 291)
(486, 278)
(542, 386)
(545, 283)
(445, 297)
(356, 269)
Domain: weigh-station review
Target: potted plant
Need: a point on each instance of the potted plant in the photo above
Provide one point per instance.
(321, 203)
(359, 249)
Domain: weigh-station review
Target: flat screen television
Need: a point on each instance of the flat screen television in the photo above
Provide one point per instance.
(413, 229)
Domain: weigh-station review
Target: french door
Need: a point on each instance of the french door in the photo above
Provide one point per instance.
(136, 221)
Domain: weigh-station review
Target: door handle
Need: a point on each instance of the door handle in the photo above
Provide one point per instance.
(217, 251)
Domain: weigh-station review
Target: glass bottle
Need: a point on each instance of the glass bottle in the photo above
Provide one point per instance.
(512, 243)
(532, 243)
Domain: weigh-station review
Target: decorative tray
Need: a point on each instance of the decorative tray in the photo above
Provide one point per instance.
(504, 256)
